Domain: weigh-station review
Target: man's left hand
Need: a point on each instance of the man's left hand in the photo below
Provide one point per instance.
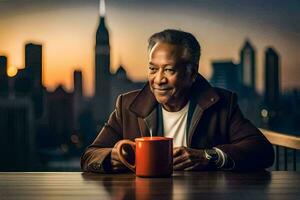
(189, 159)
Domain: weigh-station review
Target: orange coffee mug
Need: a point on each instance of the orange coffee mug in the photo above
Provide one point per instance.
(153, 156)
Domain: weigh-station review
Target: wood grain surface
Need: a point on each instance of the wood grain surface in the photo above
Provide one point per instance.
(182, 185)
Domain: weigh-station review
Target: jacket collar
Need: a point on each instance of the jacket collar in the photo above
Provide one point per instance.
(202, 92)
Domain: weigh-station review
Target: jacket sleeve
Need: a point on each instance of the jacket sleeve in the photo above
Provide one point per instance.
(248, 148)
(98, 153)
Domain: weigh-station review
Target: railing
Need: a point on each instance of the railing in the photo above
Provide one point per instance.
(287, 142)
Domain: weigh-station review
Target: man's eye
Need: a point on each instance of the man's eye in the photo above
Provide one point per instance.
(152, 69)
(169, 71)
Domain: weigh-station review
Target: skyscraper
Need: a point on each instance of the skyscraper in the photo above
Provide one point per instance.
(3, 66)
(77, 95)
(30, 80)
(3, 76)
(272, 77)
(60, 114)
(78, 83)
(102, 69)
(225, 75)
(247, 66)
(17, 135)
(33, 63)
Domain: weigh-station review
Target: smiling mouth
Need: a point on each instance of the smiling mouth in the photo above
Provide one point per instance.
(161, 90)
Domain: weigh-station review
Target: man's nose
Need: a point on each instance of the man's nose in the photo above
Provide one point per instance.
(160, 78)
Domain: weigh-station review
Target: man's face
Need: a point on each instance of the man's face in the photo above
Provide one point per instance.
(168, 76)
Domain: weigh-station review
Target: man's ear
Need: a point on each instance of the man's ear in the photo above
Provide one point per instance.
(192, 71)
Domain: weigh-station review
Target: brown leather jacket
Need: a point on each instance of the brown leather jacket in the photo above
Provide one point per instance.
(214, 120)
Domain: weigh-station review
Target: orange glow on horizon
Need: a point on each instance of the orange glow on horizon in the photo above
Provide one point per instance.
(68, 39)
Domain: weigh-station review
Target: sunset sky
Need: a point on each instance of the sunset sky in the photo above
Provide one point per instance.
(67, 29)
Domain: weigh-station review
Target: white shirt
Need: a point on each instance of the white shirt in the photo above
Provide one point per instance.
(175, 125)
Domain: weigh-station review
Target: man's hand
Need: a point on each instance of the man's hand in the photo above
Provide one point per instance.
(116, 164)
(189, 159)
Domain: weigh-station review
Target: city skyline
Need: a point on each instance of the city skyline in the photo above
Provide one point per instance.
(53, 124)
(80, 43)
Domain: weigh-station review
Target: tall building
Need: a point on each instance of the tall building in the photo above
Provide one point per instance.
(247, 66)
(33, 74)
(3, 77)
(225, 75)
(17, 135)
(77, 95)
(33, 63)
(60, 114)
(77, 78)
(272, 78)
(102, 69)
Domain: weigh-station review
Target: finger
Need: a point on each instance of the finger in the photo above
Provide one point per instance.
(115, 163)
(197, 166)
(177, 151)
(179, 159)
(115, 158)
(114, 154)
(185, 157)
(118, 169)
(181, 166)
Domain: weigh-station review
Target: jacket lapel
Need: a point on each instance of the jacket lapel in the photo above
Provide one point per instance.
(151, 122)
(144, 102)
(197, 114)
(204, 96)
(144, 131)
(145, 107)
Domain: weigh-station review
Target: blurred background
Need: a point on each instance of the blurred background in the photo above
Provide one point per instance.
(63, 63)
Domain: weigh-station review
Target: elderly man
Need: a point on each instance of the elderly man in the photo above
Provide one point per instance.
(206, 124)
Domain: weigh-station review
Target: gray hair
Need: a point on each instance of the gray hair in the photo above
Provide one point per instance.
(181, 38)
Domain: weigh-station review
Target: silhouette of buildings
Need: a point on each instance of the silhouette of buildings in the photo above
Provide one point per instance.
(273, 106)
(240, 78)
(247, 66)
(3, 77)
(38, 125)
(272, 78)
(70, 120)
(289, 113)
(237, 77)
(107, 86)
(77, 78)
(77, 96)
(60, 115)
(225, 75)
(17, 134)
(21, 105)
(33, 60)
(120, 84)
(33, 63)
(102, 70)
(28, 81)
(272, 109)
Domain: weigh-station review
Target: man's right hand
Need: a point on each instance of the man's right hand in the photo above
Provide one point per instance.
(116, 164)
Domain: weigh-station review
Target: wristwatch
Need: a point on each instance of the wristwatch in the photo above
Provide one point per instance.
(211, 155)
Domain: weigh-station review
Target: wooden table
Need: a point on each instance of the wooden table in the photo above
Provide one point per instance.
(182, 185)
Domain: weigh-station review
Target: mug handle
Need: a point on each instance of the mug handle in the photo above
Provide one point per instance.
(122, 158)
